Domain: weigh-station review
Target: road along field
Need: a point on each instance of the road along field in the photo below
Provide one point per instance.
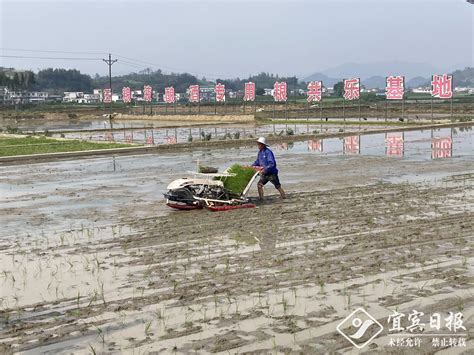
(92, 261)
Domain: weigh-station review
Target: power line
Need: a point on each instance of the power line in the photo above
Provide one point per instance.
(131, 61)
(36, 57)
(48, 51)
(130, 64)
(138, 61)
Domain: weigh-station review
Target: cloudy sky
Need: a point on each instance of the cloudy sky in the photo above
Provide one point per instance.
(235, 38)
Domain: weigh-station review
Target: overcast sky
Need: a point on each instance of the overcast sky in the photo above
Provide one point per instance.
(237, 38)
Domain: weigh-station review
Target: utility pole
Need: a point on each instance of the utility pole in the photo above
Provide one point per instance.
(109, 62)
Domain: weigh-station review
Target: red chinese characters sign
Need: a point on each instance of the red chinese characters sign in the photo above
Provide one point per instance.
(352, 89)
(169, 95)
(315, 145)
(170, 140)
(193, 93)
(351, 145)
(279, 91)
(219, 90)
(147, 93)
(314, 91)
(442, 86)
(126, 94)
(249, 91)
(280, 146)
(441, 147)
(394, 144)
(395, 87)
(107, 96)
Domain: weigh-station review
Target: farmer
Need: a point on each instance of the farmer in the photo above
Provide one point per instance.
(267, 166)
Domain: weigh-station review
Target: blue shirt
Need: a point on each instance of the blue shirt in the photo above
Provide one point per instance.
(266, 160)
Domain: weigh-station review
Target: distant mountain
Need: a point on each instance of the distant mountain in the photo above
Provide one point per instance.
(464, 78)
(381, 69)
(417, 81)
(374, 82)
(327, 81)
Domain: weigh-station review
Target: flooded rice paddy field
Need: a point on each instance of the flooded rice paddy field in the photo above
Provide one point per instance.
(40, 124)
(92, 261)
(157, 136)
(156, 132)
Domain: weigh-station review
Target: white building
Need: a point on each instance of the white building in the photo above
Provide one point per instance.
(73, 96)
(268, 92)
(137, 95)
(421, 90)
(37, 96)
(98, 92)
(89, 99)
(467, 90)
(20, 96)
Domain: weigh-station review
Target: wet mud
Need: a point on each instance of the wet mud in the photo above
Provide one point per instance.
(92, 261)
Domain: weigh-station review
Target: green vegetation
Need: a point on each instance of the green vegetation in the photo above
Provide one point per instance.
(52, 80)
(207, 169)
(11, 146)
(60, 80)
(17, 80)
(339, 89)
(157, 79)
(464, 77)
(236, 184)
(262, 80)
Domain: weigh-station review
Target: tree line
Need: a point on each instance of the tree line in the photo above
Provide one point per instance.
(60, 80)
(19, 81)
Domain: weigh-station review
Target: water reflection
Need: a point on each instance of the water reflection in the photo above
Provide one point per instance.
(441, 147)
(428, 144)
(182, 134)
(351, 145)
(315, 145)
(394, 144)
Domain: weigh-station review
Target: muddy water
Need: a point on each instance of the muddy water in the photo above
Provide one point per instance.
(162, 135)
(63, 194)
(75, 124)
(91, 259)
(103, 123)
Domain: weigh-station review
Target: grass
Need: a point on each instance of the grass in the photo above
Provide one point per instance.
(236, 184)
(12, 146)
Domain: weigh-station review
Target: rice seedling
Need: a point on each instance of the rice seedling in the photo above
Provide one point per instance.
(93, 298)
(61, 237)
(460, 304)
(348, 301)
(100, 333)
(321, 285)
(284, 303)
(148, 328)
(236, 184)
